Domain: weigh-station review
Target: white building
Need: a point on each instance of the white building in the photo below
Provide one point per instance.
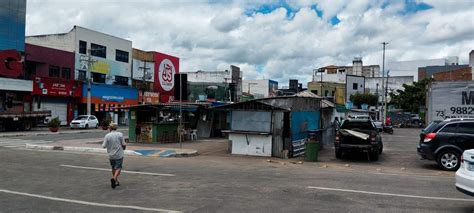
(260, 88)
(374, 85)
(232, 77)
(338, 74)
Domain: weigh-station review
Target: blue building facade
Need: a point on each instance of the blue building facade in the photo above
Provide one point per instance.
(12, 25)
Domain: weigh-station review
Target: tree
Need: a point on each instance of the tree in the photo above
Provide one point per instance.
(358, 99)
(412, 97)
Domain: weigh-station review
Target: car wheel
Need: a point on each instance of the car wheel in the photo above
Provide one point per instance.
(338, 153)
(381, 149)
(449, 160)
(86, 126)
(374, 156)
(97, 126)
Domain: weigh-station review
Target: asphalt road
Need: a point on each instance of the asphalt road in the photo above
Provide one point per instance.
(49, 181)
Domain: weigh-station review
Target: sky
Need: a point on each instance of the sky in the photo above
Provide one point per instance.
(271, 39)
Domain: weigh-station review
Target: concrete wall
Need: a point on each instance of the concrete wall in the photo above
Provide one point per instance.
(250, 144)
(359, 81)
(63, 41)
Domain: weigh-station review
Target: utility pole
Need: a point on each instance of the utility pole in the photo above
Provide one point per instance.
(377, 106)
(181, 129)
(383, 79)
(144, 68)
(386, 91)
(89, 62)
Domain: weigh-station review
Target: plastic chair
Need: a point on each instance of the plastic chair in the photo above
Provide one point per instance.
(193, 134)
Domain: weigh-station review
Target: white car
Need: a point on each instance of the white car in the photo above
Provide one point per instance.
(84, 121)
(465, 173)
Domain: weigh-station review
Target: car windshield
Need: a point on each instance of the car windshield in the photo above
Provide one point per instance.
(81, 118)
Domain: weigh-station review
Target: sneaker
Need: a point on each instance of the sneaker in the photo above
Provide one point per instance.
(112, 183)
(117, 183)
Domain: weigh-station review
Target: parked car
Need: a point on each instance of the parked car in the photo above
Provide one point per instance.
(465, 173)
(445, 141)
(84, 121)
(358, 134)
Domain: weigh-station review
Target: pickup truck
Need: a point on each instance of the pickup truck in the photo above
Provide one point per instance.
(358, 134)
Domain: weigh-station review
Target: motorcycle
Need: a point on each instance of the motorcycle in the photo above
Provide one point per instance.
(388, 129)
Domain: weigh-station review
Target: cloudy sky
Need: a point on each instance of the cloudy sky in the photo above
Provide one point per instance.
(278, 39)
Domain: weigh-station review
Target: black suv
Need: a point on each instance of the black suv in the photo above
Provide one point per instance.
(445, 142)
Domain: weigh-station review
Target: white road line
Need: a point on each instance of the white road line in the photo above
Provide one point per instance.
(390, 194)
(123, 171)
(86, 202)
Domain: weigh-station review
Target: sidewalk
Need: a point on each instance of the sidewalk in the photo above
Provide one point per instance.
(94, 145)
(45, 131)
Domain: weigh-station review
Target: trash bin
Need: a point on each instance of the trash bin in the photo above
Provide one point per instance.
(311, 152)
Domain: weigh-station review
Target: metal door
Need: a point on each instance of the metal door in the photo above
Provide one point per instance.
(277, 133)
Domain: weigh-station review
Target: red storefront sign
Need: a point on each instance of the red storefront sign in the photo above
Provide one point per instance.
(150, 97)
(10, 63)
(165, 68)
(57, 87)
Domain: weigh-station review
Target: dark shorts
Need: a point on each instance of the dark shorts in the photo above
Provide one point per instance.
(116, 164)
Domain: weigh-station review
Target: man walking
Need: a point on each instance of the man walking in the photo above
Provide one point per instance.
(115, 145)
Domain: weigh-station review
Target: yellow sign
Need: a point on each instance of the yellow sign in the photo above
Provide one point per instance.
(101, 67)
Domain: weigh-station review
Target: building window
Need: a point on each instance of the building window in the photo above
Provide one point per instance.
(98, 50)
(66, 73)
(81, 75)
(120, 80)
(83, 47)
(121, 56)
(354, 86)
(54, 71)
(98, 77)
(333, 92)
(314, 91)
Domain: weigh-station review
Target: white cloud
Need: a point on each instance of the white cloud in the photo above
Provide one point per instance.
(212, 36)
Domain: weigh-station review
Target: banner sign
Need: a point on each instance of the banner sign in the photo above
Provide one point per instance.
(451, 100)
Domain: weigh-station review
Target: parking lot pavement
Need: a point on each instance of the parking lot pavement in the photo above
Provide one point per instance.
(399, 156)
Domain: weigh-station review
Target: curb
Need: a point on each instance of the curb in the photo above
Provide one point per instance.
(103, 151)
(76, 149)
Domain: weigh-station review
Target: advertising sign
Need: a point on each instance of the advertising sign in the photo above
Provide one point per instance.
(150, 97)
(56, 87)
(451, 100)
(139, 66)
(166, 66)
(110, 68)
